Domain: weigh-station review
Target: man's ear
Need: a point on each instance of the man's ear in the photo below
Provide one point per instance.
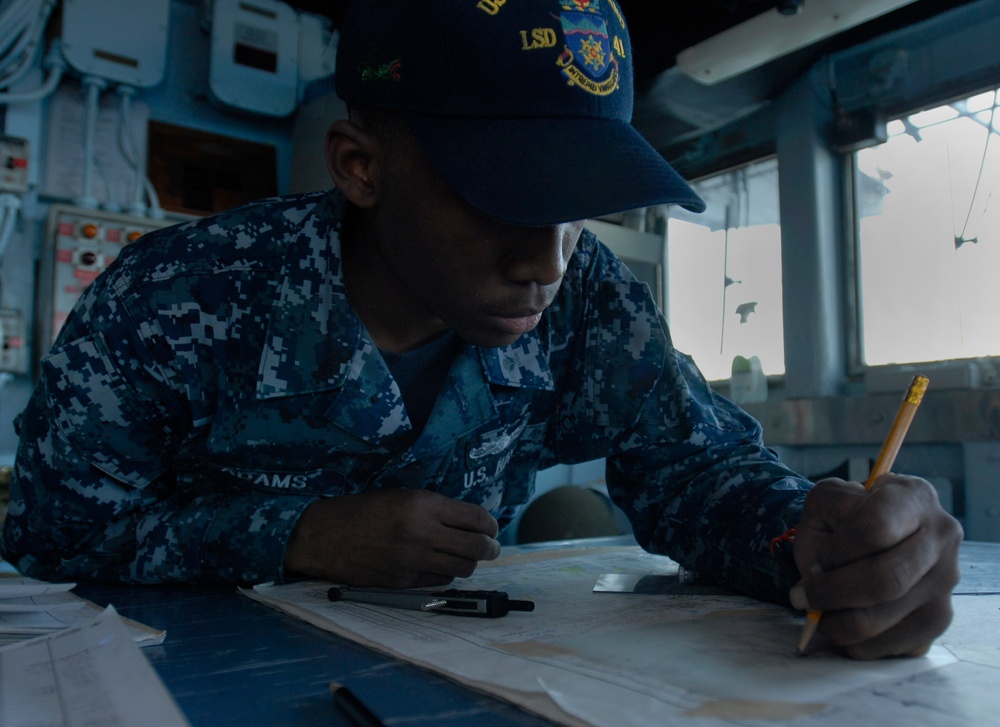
(351, 159)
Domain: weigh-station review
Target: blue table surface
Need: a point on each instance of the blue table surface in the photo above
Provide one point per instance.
(229, 660)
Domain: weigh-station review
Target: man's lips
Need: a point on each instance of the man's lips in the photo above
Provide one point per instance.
(518, 323)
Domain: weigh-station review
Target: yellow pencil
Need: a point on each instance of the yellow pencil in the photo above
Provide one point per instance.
(893, 441)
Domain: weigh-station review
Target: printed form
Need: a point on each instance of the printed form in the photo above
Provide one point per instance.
(92, 674)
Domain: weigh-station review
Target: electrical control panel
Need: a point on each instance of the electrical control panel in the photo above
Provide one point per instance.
(13, 164)
(81, 243)
(122, 41)
(254, 62)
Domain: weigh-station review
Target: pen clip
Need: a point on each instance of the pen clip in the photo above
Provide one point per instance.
(484, 604)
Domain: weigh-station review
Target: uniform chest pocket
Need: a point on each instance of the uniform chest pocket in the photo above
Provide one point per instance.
(277, 435)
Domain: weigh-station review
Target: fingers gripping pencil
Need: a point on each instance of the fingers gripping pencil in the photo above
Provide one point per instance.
(893, 441)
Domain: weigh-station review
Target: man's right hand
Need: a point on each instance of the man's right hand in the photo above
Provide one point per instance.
(391, 539)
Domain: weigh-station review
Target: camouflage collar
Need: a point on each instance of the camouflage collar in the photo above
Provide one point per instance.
(316, 342)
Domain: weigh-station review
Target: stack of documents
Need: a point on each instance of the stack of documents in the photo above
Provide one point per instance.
(30, 608)
(89, 674)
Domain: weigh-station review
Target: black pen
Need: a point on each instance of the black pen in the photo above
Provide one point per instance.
(355, 710)
(417, 600)
(454, 601)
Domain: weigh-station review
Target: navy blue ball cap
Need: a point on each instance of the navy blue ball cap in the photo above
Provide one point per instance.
(523, 106)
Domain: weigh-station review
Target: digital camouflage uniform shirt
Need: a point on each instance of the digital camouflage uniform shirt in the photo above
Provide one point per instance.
(214, 381)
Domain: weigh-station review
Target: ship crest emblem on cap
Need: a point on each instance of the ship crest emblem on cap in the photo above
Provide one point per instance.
(588, 60)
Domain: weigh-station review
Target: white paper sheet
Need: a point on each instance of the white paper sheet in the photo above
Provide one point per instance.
(47, 602)
(727, 659)
(17, 587)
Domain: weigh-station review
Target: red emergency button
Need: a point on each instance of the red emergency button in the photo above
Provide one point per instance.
(89, 230)
(134, 235)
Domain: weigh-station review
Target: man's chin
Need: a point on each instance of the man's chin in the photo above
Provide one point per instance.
(494, 341)
(489, 339)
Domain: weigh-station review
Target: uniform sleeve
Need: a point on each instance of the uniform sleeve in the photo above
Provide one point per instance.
(705, 490)
(95, 496)
(687, 466)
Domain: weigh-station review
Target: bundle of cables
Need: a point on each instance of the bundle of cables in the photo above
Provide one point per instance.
(22, 30)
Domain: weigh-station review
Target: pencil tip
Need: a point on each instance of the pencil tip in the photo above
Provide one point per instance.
(812, 622)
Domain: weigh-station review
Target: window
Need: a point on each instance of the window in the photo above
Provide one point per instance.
(724, 273)
(928, 246)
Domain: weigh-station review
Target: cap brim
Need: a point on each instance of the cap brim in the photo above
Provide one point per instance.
(543, 171)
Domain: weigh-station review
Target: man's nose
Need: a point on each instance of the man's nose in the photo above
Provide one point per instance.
(540, 255)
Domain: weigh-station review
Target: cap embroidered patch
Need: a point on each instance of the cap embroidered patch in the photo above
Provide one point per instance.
(588, 61)
(384, 72)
